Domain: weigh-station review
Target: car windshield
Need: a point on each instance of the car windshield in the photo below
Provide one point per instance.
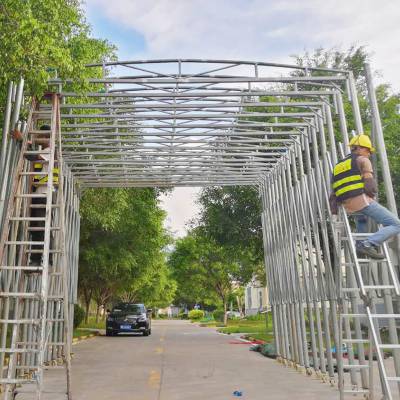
(130, 308)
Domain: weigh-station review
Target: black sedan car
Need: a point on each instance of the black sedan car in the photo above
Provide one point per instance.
(128, 318)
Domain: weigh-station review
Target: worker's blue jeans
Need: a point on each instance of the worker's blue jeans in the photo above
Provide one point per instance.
(381, 215)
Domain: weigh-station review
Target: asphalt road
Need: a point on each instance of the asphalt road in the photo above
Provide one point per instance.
(181, 361)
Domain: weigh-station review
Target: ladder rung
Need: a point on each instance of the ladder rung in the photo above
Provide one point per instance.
(60, 393)
(20, 294)
(19, 321)
(21, 268)
(356, 234)
(38, 344)
(376, 287)
(369, 287)
(40, 251)
(32, 196)
(40, 228)
(385, 315)
(355, 340)
(368, 260)
(33, 173)
(27, 367)
(4, 381)
(9, 350)
(27, 219)
(353, 315)
(33, 152)
(356, 391)
(48, 112)
(39, 132)
(393, 378)
(372, 315)
(43, 205)
(389, 346)
(356, 366)
(26, 242)
(30, 295)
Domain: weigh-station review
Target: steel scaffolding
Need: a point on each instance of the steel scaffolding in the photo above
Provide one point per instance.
(167, 123)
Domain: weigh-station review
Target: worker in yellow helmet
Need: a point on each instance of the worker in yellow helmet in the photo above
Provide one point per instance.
(354, 186)
(40, 164)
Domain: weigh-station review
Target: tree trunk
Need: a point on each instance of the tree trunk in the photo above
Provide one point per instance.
(225, 315)
(87, 298)
(87, 306)
(239, 304)
(97, 312)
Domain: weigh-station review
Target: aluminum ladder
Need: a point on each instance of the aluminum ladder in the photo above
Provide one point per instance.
(365, 281)
(35, 325)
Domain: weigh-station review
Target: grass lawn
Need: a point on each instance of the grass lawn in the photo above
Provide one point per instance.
(81, 332)
(267, 337)
(92, 324)
(256, 329)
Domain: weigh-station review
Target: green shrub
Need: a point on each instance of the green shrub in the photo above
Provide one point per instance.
(256, 317)
(196, 314)
(207, 319)
(79, 315)
(162, 316)
(183, 315)
(219, 315)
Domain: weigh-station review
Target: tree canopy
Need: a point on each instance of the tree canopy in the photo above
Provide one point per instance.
(204, 271)
(39, 38)
(122, 247)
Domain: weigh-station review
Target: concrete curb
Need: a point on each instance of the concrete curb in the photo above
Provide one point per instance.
(251, 339)
(81, 338)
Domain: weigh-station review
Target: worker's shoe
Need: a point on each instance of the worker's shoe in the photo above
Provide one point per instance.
(369, 250)
(34, 263)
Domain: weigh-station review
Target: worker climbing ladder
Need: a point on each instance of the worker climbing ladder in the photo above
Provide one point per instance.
(364, 281)
(35, 316)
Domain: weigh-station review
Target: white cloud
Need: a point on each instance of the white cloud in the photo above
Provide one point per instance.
(181, 208)
(264, 30)
(260, 30)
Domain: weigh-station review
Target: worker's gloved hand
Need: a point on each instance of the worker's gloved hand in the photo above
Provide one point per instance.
(17, 135)
(370, 187)
(333, 204)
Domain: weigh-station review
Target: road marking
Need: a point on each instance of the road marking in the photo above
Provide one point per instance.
(154, 379)
(159, 350)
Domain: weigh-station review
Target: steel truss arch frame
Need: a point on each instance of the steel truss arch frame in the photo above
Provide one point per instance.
(188, 122)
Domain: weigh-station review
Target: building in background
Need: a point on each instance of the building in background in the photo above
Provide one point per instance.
(255, 298)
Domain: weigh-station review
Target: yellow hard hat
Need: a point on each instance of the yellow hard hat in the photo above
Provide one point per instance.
(362, 141)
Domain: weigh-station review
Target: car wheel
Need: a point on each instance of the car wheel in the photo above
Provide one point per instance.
(109, 333)
(146, 332)
(149, 331)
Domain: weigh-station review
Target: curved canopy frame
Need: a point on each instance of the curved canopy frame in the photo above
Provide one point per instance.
(168, 123)
(191, 122)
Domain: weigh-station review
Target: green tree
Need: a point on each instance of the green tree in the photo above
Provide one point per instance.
(231, 216)
(39, 38)
(205, 272)
(122, 246)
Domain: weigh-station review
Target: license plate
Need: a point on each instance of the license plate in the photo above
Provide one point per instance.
(125, 327)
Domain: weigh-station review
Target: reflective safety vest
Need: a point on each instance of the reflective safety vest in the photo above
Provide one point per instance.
(347, 180)
(39, 180)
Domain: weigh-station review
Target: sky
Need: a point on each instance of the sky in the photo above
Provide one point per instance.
(256, 30)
